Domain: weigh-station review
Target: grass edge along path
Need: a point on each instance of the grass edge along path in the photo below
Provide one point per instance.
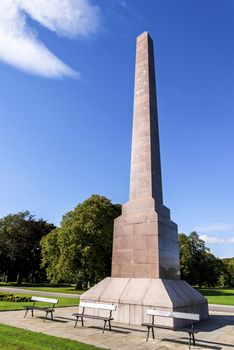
(218, 296)
(12, 338)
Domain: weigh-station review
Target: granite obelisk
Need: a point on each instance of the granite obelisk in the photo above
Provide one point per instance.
(145, 259)
(145, 239)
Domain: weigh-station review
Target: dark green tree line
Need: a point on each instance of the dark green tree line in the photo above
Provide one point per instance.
(20, 252)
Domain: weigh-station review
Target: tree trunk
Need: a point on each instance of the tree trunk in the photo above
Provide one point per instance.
(19, 279)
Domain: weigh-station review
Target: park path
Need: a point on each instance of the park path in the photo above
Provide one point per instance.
(217, 333)
(221, 308)
(38, 292)
(212, 307)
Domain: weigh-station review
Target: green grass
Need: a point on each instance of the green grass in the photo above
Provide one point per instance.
(220, 296)
(7, 305)
(68, 290)
(17, 339)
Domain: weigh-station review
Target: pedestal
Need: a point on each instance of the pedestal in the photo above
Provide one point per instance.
(133, 296)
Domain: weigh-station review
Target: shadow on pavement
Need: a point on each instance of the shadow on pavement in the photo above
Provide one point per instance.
(114, 330)
(216, 322)
(201, 343)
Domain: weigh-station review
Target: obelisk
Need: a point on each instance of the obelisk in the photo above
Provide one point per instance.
(145, 259)
(145, 239)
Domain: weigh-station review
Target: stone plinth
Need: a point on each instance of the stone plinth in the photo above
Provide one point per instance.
(145, 242)
(133, 296)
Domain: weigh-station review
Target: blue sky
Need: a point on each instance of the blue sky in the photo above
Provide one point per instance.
(66, 107)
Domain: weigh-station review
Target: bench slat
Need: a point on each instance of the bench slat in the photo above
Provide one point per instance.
(173, 314)
(98, 306)
(45, 300)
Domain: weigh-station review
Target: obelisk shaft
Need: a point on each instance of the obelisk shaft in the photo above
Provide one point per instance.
(145, 179)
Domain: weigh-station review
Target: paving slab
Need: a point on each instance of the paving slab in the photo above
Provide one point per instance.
(216, 333)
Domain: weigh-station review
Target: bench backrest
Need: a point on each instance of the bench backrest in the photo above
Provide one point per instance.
(45, 300)
(110, 307)
(173, 314)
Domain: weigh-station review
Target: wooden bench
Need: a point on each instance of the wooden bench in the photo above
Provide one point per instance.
(47, 309)
(182, 315)
(95, 306)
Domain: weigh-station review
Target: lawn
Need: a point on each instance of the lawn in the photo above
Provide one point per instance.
(17, 339)
(7, 305)
(220, 296)
(68, 290)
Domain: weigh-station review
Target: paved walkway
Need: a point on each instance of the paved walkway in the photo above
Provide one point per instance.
(212, 307)
(221, 308)
(216, 333)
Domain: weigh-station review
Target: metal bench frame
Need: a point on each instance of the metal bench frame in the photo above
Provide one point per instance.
(95, 306)
(47, 310)
(182, 315)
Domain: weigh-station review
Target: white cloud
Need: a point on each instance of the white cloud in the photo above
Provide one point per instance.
(19, 44)
(215, 227)
(216, 240)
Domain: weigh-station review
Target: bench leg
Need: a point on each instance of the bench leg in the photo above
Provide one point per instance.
(32, 313)
(46, 315)
(25, 313)
(77, 318)
(194, 343)
(148, 330)
(51, 315)
(104, 327)
(152, 332)
(190, 336)
(109, 326)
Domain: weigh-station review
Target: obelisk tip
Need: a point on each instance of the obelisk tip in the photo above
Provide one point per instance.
(144, 35)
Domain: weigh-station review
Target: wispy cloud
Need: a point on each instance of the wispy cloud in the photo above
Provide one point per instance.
(215, 227)
(19, 43)
(216, 240)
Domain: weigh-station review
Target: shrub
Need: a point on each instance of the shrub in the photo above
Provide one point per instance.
(14, 298)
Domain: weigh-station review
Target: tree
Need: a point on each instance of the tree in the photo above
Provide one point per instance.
(227, 275)
(20, 236)
(81, 249)
(198, 265)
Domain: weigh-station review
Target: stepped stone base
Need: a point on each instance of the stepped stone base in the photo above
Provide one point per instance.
(133, 296)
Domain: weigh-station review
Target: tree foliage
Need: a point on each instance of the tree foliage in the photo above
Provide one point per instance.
(20, 236)
(198, 265)
(226, 278)
(81, 249)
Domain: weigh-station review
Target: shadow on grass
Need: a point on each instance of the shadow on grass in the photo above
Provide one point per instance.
(216, 292)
